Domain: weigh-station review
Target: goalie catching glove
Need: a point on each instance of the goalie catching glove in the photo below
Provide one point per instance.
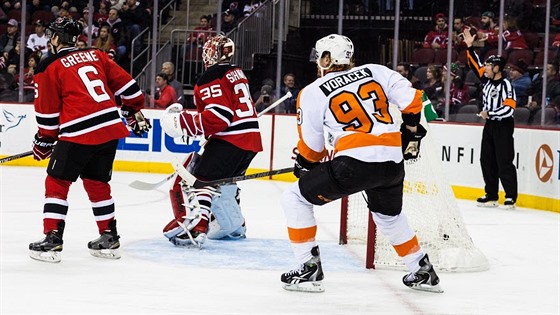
(136, 121)
(179, 123)
(411, 141)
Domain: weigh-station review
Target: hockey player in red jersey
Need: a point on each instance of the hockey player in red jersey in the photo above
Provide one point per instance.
(79, 127)
(351, 104)
(226, 116)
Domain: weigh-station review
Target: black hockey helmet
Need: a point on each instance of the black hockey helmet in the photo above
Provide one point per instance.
(496, 60)
(66, 29)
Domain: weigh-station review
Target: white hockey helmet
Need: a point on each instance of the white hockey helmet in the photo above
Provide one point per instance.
(340, 48)
(217, 49)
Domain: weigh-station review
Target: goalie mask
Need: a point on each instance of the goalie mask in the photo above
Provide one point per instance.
(217, 49)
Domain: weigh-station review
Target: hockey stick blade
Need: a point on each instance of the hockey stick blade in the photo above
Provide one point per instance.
(15, 157)
(191, 180)
(140, 185)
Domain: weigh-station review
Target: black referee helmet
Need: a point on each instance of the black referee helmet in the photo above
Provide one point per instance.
(496, 60)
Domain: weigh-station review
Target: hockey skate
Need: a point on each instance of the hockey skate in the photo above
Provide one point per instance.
(425, 279)
(106, 245)
(509, 203)
(487, 202)
(307, 277)
(48, 249)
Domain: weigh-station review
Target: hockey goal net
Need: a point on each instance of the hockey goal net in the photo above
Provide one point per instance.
(432, 212)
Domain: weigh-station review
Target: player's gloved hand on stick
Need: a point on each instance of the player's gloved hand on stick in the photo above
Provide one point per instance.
(136, 120)
(303, 166)
(411, 141)
(42, 147)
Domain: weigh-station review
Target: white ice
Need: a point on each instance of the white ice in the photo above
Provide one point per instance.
(242, 277)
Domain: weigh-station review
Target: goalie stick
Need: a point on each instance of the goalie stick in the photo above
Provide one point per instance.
(15, 157)
(191, 180)
(140, 185)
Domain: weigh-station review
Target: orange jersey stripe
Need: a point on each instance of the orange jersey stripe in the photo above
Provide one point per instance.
(308, 153)
(510, 102)
(356, 140)
(302, 235)
(416, 105)
(408, 247)
(473, 61)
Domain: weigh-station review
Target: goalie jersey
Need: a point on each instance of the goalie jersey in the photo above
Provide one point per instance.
(352, 106)
(75, 93)
(227, 112)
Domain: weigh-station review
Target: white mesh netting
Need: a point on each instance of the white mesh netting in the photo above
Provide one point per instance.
(432, 212)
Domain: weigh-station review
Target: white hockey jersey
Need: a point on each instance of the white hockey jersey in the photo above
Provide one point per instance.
(352, 107)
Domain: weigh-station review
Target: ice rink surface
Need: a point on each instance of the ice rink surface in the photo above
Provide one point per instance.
(243, 277)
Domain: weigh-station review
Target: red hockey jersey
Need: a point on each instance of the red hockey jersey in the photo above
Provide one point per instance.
(75, 93)
(226, 109)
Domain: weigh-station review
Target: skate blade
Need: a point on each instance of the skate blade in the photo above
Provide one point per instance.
(428, 288)
(50, 256)
(490, 204)
(105, 253)
(310, 287)
(510, 207)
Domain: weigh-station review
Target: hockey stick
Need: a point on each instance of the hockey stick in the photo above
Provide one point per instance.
(191, 180)
(140, 185)
(15, 157)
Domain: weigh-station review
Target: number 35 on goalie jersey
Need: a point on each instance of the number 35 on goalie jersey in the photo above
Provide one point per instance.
(353, 107)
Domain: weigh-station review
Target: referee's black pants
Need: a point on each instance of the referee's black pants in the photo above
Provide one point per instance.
(496, 158)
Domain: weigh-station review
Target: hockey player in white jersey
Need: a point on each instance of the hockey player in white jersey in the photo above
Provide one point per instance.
(352, 105)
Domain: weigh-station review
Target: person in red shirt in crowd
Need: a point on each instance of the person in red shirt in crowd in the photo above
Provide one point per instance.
(457, 34)
(437, 38)
(165, 95)
(487, 36)
(458, 91)
(512, 35)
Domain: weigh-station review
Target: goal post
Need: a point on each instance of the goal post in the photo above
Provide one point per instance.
(432, 212)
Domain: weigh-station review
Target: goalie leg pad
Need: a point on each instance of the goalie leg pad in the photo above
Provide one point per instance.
(229, 221)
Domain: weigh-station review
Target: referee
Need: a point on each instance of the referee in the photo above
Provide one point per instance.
(498, 104)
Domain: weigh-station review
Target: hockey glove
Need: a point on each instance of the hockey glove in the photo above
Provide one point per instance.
(411, 141)
(303, 166)
(136, 121)
(42, 147)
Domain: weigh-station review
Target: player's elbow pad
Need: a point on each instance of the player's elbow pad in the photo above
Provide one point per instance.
(411, 119)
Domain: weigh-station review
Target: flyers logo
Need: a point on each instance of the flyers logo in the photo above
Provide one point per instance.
(544, 163)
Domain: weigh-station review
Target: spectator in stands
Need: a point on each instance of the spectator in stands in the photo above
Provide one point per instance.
(552, 88)
(88, 30)
(37, 5)
(266, 98)
(512, 35)
(169, 69)
(228, 21)
(250, 7)
(80, 43)
(437, 38)
(134, 18)
(105, 41)
(8, 39)
(118, 32)
(433, 84)
(102, 14)
(165, 94)
(8, 5)
(13, 57)
(458, 90)
(520, 81)
(289, 85)
(117, 4)
(487, 36)
(404, 70)
(38, 41)
(199, 38)
(457, 35)
(555, 103)
(28, 72)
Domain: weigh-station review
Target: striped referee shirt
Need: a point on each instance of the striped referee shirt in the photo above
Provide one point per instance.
(498, 96)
